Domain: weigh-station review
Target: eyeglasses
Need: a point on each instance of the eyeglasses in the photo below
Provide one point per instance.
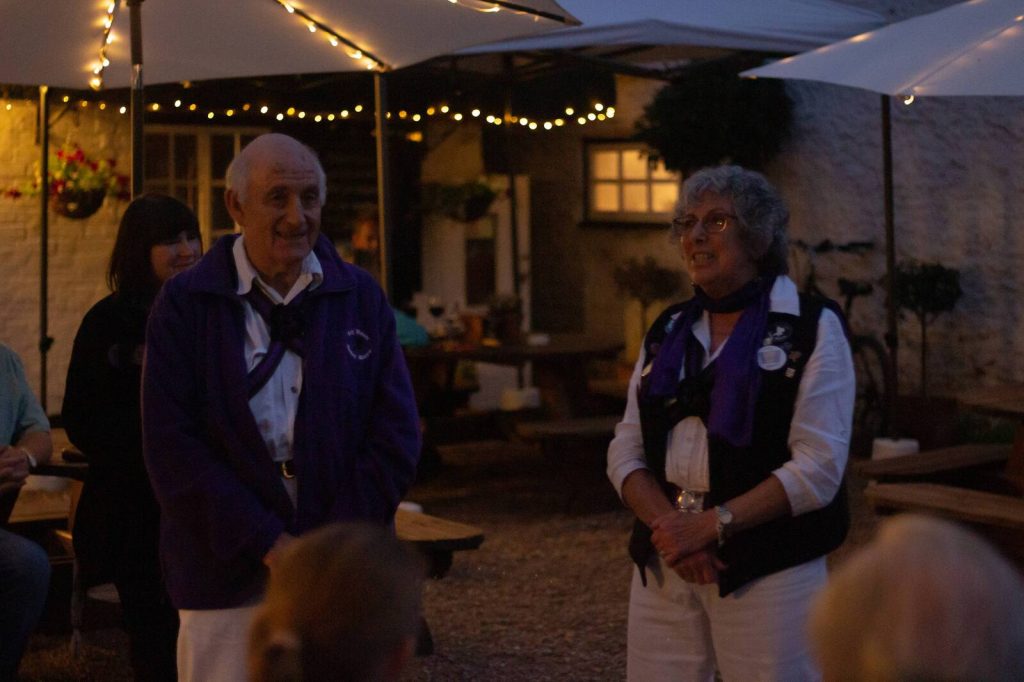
(713, 222)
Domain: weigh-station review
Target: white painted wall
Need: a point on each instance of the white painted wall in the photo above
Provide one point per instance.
(79, 250)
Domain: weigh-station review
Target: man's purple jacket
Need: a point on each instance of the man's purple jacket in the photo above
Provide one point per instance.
(356, 437)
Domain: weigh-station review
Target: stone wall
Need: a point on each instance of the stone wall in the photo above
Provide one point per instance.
(78, 249)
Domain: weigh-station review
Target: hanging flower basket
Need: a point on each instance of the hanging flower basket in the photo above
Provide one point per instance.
(75, 183)
(78, 205)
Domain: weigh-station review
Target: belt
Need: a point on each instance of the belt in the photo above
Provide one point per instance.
(693, 501)
(287, 468)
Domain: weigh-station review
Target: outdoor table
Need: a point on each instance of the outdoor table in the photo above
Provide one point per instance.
(559, 367)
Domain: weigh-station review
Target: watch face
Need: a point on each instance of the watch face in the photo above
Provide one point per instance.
(724, 516)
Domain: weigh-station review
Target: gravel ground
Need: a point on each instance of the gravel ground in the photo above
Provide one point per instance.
(544, 598)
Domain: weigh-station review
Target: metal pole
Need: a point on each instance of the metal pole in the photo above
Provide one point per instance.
(138, 101)
(513, 209)
(513, 213)
(44, 238)
(892, 331)
(385, 227)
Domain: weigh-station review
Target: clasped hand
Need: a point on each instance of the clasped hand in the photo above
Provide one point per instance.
(680, 540)
(13, 468)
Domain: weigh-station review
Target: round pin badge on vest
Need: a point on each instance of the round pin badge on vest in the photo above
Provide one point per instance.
(771, 358)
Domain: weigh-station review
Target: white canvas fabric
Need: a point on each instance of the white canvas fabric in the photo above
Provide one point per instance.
(776, 26)
(973, 48)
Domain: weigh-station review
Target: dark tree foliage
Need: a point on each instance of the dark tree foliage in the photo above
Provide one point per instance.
(709, 115)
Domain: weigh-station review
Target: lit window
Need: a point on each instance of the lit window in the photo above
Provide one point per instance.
(625, 185)
(188, 162)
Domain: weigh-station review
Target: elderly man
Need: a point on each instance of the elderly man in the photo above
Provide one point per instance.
(275, 400)
(24, 566)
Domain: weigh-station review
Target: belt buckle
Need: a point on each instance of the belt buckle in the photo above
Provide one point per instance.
(691, 501)
(287, 468)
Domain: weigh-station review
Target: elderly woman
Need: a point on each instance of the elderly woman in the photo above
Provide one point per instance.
(732, 449)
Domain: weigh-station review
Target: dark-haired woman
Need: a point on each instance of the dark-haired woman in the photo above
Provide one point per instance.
(116, 526)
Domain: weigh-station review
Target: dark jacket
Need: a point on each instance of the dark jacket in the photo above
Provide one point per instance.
(117, 518)
(356, 438)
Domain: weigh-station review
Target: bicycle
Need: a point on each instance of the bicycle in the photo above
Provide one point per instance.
(871, 361)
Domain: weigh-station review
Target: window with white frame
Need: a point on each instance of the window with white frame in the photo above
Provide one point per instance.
(189, 162)
(625, 185)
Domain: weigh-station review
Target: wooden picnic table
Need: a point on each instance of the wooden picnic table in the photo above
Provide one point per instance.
(438, 539)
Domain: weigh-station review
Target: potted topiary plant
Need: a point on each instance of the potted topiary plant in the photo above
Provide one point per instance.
(926, 290)
(645, 282)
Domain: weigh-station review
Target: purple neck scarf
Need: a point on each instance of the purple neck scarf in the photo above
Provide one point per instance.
(737, 382)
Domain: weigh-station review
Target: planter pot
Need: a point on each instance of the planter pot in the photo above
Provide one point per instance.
(78, 205)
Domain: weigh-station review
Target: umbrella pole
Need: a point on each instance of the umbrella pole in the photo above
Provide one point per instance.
(892, 332)
(44, 238)
(384, 213)
(513, 214)
(138, 102)
(510, 169)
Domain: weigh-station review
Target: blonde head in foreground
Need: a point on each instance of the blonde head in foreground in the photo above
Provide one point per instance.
(927, 600)
(343, 604)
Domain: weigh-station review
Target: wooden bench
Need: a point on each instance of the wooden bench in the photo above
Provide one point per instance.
(937, 465)
(438, 539)
(568, 443)
(998, 517)
(562, 432)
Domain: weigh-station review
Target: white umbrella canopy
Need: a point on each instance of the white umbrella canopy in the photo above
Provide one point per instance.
(79, 44)
(58, 42)
(973, 48)
(776, 26)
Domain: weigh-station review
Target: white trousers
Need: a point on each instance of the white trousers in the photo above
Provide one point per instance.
(213, 645)
(681, 631)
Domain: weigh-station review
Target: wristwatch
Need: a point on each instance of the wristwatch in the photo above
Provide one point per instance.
(723, 520)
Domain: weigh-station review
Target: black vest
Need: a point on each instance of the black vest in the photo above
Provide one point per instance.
(783, 542)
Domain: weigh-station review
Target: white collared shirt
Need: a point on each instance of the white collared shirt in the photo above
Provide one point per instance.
(276, 404)
(819, 435)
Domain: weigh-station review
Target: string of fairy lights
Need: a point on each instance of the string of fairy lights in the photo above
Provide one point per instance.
(597, 113)
(96, 82)
(314, 25)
